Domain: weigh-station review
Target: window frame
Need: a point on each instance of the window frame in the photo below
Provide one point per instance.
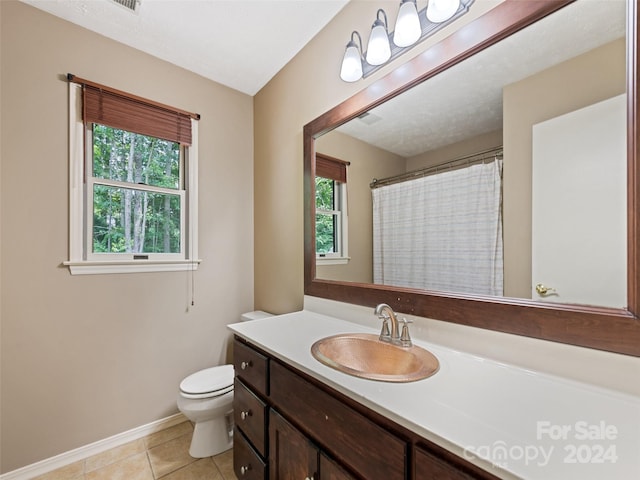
(82, 260)
(340, 257)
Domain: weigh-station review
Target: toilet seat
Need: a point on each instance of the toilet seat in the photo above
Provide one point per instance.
(210, 382)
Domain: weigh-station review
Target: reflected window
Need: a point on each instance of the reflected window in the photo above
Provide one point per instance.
(331, 210)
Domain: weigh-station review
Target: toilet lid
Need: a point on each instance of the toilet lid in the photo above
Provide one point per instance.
(208, 382)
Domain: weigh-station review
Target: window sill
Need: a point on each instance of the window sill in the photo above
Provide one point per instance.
(133, 266)
(332, 260)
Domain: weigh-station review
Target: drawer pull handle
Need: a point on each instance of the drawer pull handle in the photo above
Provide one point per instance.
(245, 365)
(244, 469)
(246, 414)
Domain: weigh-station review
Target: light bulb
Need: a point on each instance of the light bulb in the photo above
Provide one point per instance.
(378, 49)
(407, 30)
(439, 11)
(351, 70)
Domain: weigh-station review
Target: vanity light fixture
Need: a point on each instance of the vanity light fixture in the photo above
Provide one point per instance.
(351, 70)
(379, 49)
(439, 11)
(407, 30)
(411, 27)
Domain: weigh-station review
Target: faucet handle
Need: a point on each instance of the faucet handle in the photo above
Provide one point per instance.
(405, 338)
(385, 333)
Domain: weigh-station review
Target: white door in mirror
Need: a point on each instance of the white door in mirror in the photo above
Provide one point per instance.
(579, 225)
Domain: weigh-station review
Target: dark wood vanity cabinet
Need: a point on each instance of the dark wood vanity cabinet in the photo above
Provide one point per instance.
(291, 426)
(247, 463)
(330, 470)
(252, 367)
(344, 433)
(250, 412)
(250, 415)
(293, 455)
(431, 465)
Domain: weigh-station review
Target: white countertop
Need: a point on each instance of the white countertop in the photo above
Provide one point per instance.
(528, 424)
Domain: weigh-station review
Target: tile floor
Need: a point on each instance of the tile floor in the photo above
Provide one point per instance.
(161, 455)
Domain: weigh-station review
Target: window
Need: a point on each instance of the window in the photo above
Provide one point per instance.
(331, 210)
(133, 183)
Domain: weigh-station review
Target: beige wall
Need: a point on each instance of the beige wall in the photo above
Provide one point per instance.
(367, 162)
(469, 146)
(582, 81)
(87, 357)
(307, 87)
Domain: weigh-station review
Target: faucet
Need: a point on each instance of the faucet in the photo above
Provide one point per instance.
(386, 314)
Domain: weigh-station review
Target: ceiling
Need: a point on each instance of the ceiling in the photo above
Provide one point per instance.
(239, 43)
(198, 35)
(466, 100)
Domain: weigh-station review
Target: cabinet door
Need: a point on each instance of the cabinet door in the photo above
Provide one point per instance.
(329, 470)
(291, 455)
(431, 467)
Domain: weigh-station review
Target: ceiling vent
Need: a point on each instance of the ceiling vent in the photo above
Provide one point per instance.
(369, 118)
(131, 5)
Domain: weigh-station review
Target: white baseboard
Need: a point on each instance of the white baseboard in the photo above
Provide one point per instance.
(67, 458)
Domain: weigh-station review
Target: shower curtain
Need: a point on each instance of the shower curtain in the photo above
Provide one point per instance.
(441, 232)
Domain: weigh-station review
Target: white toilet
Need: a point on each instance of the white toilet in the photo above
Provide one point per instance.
(206, 398)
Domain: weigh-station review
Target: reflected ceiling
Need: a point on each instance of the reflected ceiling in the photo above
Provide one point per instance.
(434, 115)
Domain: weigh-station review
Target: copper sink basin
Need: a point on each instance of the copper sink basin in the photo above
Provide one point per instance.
(364, 355)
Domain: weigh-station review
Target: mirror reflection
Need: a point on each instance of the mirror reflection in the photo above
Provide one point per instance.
(504, 175)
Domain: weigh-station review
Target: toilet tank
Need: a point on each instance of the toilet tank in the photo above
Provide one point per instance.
(255, 315)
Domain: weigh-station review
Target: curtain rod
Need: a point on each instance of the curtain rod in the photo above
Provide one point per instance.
(478, 157)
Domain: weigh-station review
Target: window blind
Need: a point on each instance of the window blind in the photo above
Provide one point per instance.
(332, 168)
(117, 109)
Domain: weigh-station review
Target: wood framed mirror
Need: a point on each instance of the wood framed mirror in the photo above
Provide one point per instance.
(598, 327)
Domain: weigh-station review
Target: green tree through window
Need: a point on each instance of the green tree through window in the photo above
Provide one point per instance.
(136, 192)
(326, 228)
(330, 203)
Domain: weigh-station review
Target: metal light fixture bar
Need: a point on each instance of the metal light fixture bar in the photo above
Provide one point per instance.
(428, 28)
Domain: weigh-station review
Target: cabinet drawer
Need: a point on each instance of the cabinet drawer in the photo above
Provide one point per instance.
(346, 434)
(250, 415)
(247, 464)
(251, 366)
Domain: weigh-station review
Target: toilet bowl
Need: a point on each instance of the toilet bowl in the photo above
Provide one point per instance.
(206, 398)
